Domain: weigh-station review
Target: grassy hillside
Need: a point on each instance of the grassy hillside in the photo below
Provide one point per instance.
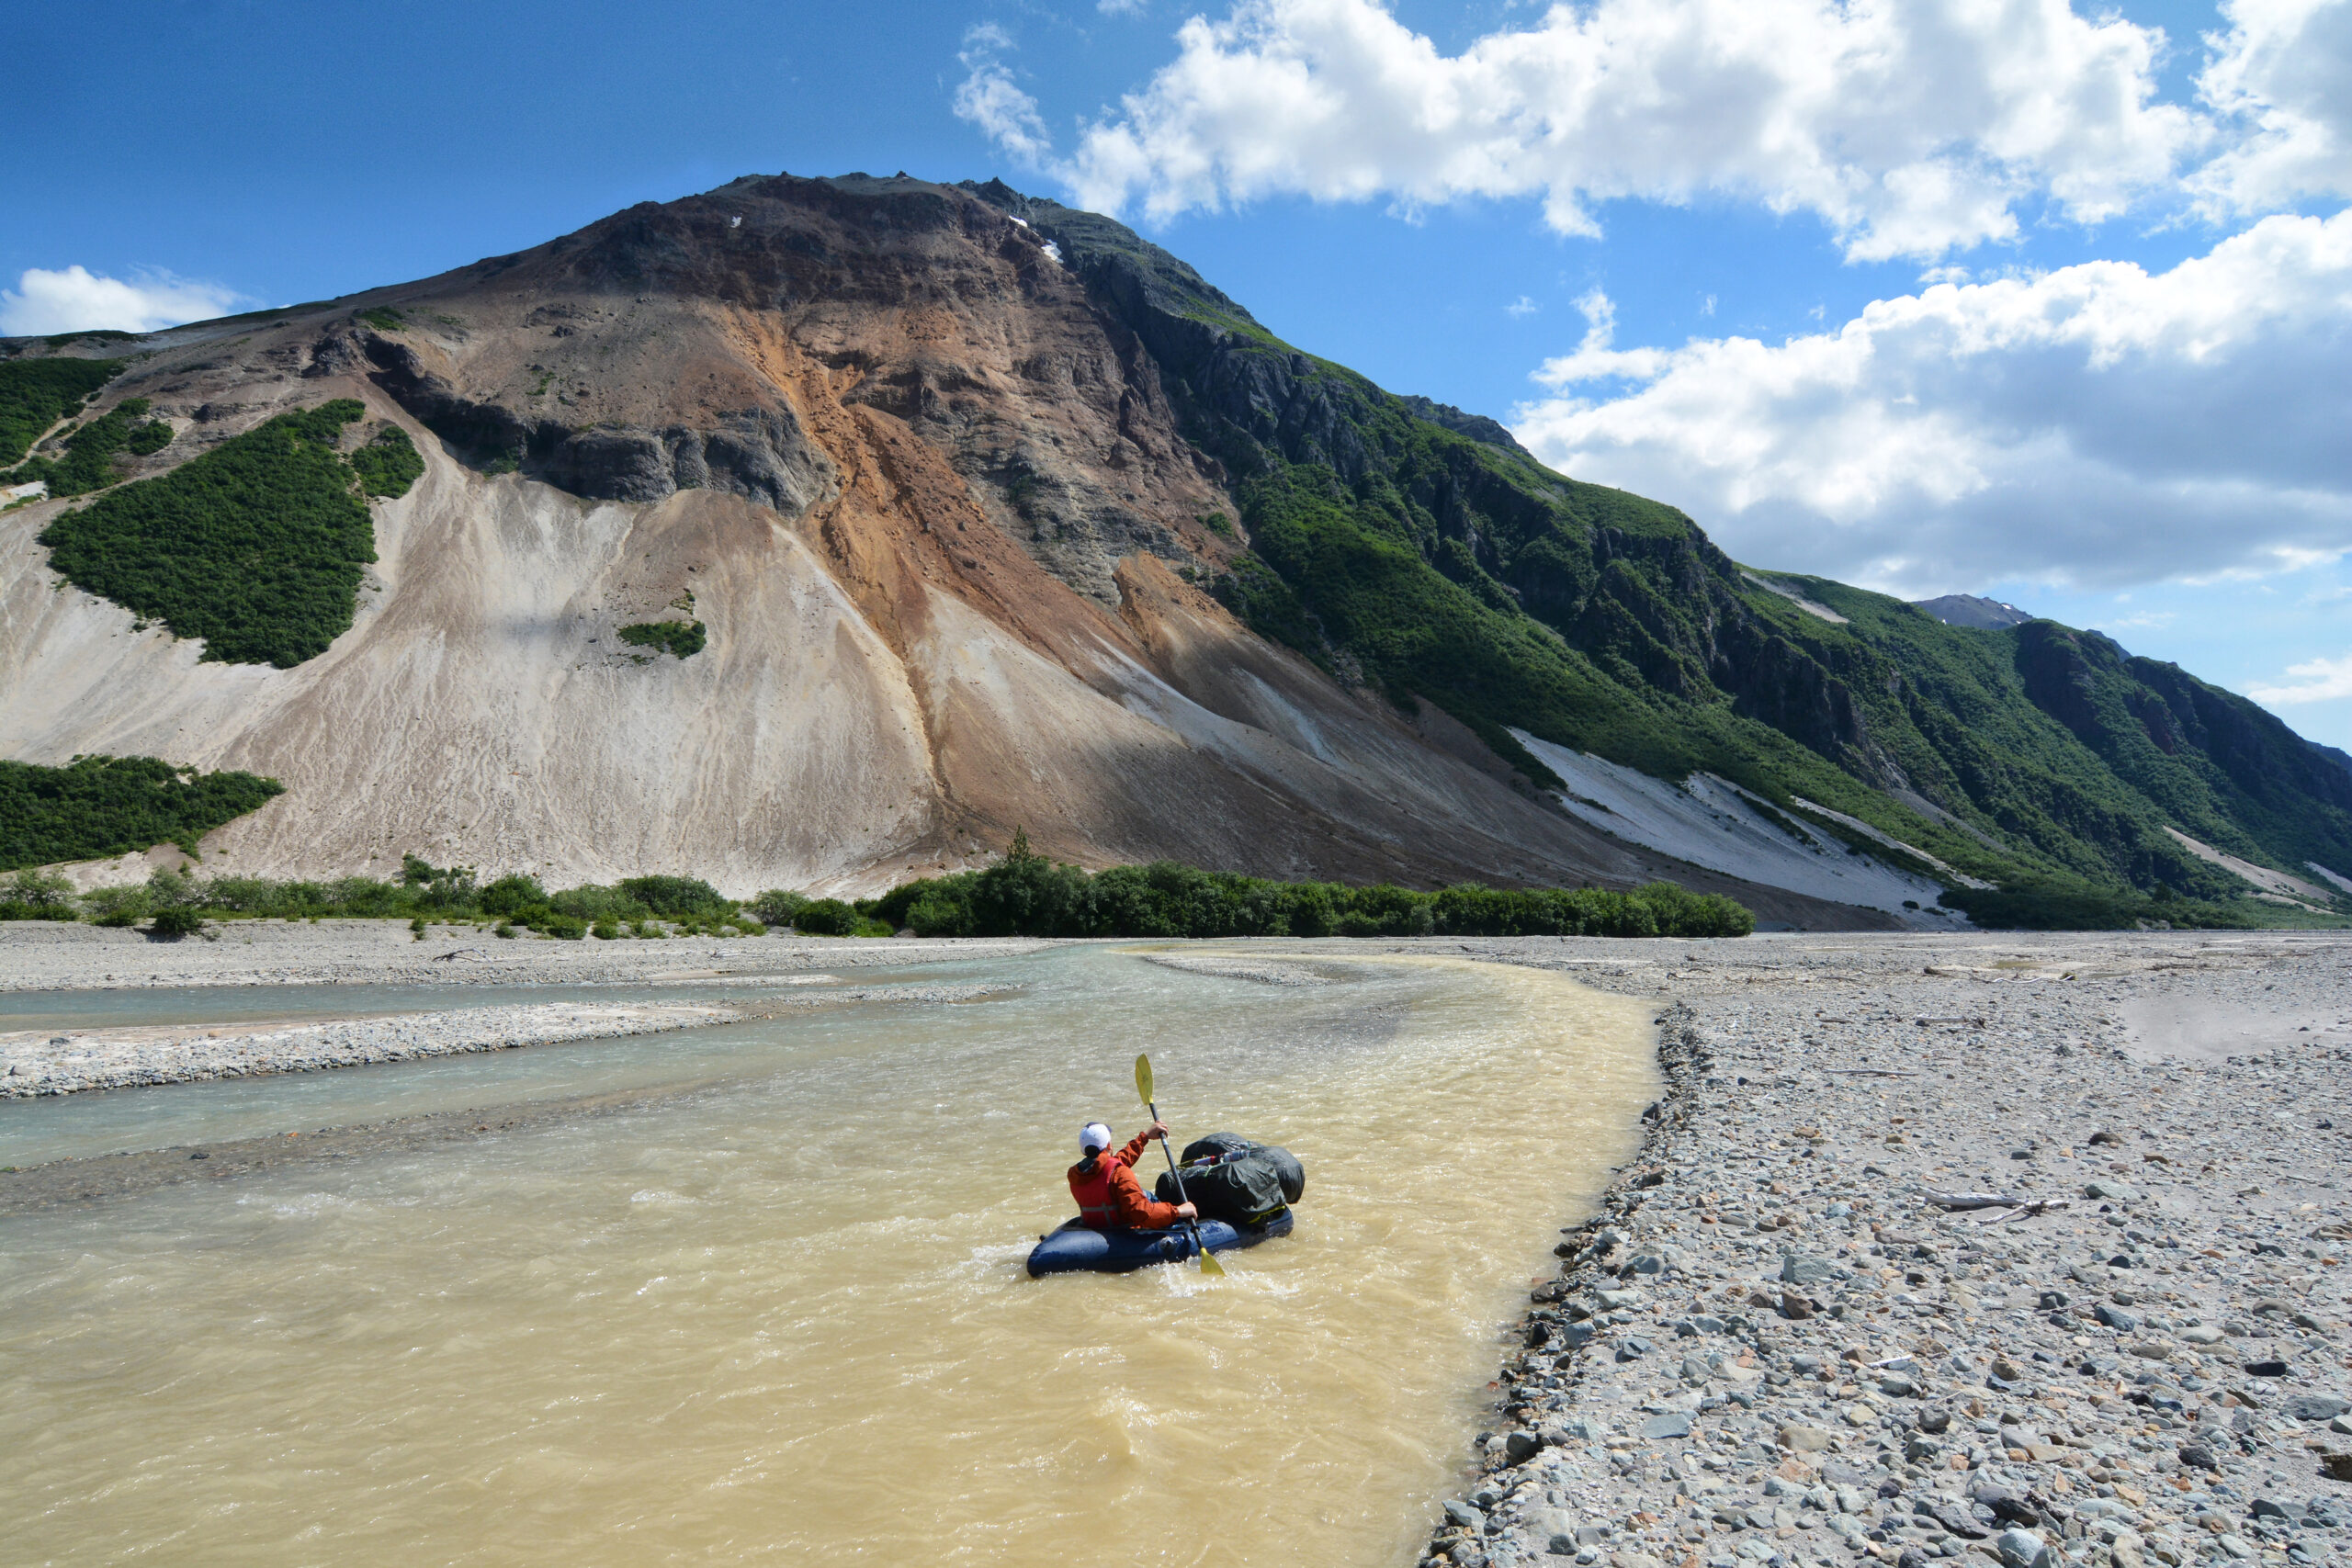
(1424, 550)
(97, 806)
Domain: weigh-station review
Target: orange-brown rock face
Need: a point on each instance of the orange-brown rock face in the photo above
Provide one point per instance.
(931, 504)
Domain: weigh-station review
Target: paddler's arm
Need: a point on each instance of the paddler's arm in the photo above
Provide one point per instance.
(1142, 1141)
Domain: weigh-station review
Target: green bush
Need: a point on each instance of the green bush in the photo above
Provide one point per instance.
(777, 906)
(384, 318)
(682, 638)
(512, 895)
(257, 546)
(594, 903)
(563, 928)
(125, 906)
(676, 897)
(827, 917)
(46, 890)
(173, 922)
(388, 465)
(36, 394)
(98, 806)
(604, 930)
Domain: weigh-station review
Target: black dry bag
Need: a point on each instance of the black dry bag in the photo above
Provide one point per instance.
(1233, 1180)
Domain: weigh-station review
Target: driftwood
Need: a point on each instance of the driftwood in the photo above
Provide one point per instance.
(1872, 1072)
(1995, 1208)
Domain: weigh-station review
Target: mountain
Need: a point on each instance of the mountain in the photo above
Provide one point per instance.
(816, 532)
(1968, 610)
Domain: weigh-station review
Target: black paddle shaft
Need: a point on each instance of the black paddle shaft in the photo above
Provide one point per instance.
(1198, 1245)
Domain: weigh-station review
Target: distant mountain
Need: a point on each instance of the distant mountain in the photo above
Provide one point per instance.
(812, 531)
(1967, 610)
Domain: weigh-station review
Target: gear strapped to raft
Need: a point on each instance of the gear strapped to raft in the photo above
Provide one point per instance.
(1229, 1177)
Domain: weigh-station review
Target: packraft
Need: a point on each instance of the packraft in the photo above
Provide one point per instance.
(1074, 1250)
(1228, 1177)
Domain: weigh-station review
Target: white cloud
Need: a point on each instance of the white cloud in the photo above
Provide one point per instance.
(1910, 126)
(1522, 307)
(2318, 680)
(2097, 425)
(77, 299)
(2282, 78)
(989, 99)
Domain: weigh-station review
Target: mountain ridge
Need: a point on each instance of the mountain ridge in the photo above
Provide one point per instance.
(1041, 474)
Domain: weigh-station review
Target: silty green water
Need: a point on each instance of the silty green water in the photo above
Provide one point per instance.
(776, 1312)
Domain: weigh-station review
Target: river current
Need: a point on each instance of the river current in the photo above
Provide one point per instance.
(774, 1309)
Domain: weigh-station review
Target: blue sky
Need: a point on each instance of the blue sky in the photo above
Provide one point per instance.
(1989, 296)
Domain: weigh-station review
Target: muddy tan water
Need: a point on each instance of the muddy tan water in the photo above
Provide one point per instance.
(782, 1316)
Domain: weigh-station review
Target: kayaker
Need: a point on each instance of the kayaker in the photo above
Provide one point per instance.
(1109, 1196)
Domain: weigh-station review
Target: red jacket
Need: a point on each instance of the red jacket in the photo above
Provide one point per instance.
(1109, 1196)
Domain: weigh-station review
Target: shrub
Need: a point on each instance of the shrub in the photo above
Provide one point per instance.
(175, 922)
(45, 890)
(116, 906)
(827, 917)
(676, 897)
(512, 895)
(594, 903)
(563, 928)
(257, 546)
(777, 906)
(682, 638)
(604, 930)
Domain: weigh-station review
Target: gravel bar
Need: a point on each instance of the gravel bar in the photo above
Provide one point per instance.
(2023, 1251)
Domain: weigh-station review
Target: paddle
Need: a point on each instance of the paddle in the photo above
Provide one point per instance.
(1209, 1265)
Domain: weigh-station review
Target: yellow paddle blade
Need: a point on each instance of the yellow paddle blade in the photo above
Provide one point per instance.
(1211, 1266)
(1143, 1079)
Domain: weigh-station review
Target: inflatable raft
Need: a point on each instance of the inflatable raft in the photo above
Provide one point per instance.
(1075, 1249)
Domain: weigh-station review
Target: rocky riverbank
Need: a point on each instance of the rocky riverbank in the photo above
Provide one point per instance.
(50, 955)
(2029, 1252)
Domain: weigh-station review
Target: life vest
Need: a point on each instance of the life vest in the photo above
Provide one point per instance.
(1090, 1183)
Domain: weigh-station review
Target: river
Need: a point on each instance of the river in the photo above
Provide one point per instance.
(774, 1308)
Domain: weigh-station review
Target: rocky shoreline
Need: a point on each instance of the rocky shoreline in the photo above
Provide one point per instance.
(2026, 1251)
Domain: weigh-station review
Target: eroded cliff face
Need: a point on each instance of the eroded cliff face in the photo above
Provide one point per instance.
(930, 503)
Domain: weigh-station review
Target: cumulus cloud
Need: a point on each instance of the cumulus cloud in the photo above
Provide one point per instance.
(2097, 426)
(77, 299)
(1912, 127)
(990, 99)
(2280, 77)
(2319, 681)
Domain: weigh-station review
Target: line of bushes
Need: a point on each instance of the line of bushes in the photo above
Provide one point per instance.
(1024, 894)
(1027, 895)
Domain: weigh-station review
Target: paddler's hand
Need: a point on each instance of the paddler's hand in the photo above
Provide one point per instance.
(1156, 1130)
(1188, 1211)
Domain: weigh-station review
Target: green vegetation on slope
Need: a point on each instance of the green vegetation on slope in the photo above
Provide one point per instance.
(97, 806)
(36, 394)
(91, 450)
(1425, 548)
(388, 465)
(256, 546)
(682, 638)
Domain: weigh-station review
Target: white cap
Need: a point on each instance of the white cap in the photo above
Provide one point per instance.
(1093, 1137)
